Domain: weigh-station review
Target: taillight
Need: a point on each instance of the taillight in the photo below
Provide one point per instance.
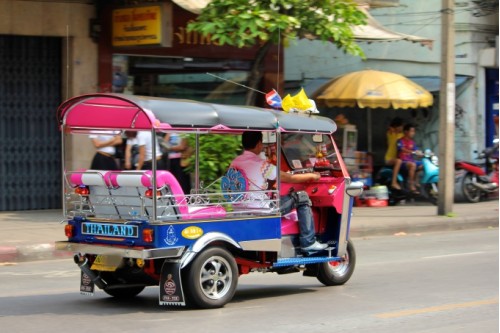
(82, 190)
(69, 230)
(148, 235)
(332, 189)
(149, 193)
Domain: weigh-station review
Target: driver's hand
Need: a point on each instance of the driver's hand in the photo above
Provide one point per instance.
(317, 176)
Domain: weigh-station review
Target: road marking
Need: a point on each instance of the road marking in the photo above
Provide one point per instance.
(445, 307)
(453, 255)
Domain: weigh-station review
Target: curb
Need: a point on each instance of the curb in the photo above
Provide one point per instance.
(411, 227)
(35, 252)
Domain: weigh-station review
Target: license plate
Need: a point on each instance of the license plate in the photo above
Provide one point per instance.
(106, 263)
(110, 230)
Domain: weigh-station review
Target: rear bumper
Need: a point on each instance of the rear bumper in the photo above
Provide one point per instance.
(172, 252)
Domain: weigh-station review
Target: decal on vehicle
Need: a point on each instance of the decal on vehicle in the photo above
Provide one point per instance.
(192, 232)
(86, 285)
(171, 236)
(170, 286)
(107, 229)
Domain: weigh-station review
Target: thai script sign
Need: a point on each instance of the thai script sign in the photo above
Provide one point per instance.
(140, 26)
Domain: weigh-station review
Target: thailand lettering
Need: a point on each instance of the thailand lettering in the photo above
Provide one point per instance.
(109, 230)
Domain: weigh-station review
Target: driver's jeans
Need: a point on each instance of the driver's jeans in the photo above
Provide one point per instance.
(304, 214)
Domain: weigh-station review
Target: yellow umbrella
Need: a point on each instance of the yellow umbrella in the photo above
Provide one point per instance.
(372, 89)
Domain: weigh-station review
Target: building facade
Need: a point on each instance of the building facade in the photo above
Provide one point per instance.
(476, 68)
(46, 56)
(53, 50)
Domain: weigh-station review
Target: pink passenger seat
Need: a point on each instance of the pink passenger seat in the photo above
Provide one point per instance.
(124, 192)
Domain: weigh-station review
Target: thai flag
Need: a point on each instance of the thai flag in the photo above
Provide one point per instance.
(273, 99)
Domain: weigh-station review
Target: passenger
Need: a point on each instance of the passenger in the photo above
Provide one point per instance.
(394, 133)
(258, 171)
(104, 158)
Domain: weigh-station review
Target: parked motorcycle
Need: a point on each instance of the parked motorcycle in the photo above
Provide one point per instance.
(474, 181)
(427, 177)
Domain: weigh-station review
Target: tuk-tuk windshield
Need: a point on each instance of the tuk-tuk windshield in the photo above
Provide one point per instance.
(305, 150)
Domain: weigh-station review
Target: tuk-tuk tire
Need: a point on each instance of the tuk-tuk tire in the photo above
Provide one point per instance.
(198, 291)
(334, 273)
(124, 292)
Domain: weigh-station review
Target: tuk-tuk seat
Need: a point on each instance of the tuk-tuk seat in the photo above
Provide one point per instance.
(99, 193)
(122, 194)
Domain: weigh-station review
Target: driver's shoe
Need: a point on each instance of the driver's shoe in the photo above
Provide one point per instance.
(314, 247)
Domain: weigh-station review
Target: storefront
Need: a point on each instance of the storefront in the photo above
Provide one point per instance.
(146, 49)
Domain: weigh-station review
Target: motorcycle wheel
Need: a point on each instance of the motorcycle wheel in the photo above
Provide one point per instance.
(471, 193)
(430, 192)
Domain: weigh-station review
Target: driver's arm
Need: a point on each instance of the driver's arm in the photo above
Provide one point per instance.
(299, 177)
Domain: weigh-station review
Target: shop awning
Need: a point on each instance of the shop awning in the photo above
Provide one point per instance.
(430, 83)
(373, 31)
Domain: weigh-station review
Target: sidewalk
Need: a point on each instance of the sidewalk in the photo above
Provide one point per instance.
(30, 235)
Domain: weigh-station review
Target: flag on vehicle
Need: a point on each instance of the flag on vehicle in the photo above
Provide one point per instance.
(273, 99)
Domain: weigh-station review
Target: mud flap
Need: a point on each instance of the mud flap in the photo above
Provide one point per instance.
(86, 285)
(171, 285)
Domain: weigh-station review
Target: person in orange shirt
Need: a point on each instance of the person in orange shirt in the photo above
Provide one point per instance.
(394, 133)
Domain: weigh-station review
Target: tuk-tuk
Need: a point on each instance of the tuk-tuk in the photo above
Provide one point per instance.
(134, 229)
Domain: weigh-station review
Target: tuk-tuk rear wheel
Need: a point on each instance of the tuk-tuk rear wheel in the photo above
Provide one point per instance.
(211, 278)
(336, 273)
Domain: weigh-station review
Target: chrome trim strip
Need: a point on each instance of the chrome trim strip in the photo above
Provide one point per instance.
(173, 252)
(262, 245)
(344, 220)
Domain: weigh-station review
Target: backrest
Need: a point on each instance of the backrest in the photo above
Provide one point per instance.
(129, 187)
(97, 182)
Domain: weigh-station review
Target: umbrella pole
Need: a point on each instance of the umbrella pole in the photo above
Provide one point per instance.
(369, 125)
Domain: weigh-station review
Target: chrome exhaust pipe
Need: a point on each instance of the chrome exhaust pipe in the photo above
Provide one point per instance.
(486, 187)
(83, 263)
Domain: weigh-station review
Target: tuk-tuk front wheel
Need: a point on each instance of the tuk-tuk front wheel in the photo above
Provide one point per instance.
(336, 273)
(211, 278)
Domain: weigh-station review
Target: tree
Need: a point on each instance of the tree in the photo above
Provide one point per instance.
(245, 23)
(216, 153)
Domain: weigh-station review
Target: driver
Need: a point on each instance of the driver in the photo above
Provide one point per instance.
(258, 171)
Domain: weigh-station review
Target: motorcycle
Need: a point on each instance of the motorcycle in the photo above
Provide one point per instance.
(474, 181)
(427, 177)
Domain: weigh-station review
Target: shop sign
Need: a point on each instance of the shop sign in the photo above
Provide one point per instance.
(136, 26)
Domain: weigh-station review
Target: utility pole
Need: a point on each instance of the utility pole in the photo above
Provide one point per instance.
(447, 110)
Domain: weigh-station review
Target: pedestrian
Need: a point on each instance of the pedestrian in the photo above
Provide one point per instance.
(104, 158)
(178, 151)
(144, 142)
(394, 133)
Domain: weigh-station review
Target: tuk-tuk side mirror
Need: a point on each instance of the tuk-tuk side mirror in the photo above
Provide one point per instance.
(355, 189)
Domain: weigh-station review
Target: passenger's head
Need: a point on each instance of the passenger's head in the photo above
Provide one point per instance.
(409, 130)
(251, 139)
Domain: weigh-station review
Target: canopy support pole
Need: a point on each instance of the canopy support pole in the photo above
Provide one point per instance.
(369, 126)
